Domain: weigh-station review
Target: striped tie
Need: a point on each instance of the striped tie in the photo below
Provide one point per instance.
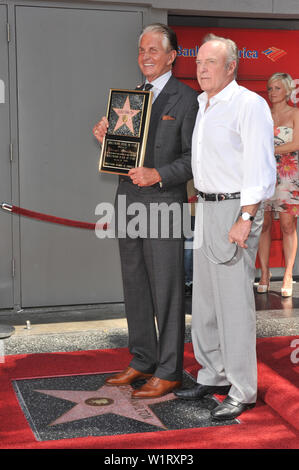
(148, 86)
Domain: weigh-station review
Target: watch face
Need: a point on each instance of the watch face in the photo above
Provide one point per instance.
(247, 216)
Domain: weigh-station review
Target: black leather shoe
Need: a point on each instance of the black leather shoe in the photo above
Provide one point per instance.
(230, 409)
(199, 391)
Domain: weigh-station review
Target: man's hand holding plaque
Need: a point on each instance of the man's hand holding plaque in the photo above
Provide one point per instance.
(143, 176)
(140, 176)
(100, 129)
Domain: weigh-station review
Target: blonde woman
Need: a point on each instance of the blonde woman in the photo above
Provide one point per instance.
(286, 198)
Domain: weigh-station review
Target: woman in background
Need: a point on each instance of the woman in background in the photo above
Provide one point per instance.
(286, 198)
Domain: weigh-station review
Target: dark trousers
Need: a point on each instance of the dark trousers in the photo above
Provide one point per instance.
(153, 281)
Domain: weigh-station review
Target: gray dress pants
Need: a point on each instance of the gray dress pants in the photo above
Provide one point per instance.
(223, 310)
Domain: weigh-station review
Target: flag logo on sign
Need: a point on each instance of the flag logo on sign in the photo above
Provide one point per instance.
(273, 53)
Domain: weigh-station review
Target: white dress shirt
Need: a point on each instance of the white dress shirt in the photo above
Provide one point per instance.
(159, 83)
(232, 145)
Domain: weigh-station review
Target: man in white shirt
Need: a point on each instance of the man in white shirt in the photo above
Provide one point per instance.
(234, 170)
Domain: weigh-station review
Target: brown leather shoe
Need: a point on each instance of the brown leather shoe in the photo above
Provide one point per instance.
(155, 387)
(126, 377)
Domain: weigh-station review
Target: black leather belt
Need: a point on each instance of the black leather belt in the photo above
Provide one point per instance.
(219, 197)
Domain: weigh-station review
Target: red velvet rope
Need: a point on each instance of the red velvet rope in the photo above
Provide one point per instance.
(53, 219)
(59, 220)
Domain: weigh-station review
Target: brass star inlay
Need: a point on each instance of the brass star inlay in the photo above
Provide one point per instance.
(107, 399)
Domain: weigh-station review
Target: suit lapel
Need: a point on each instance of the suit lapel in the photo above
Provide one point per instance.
(156, 113)
(172, 92)
(161, 106)
(168, 96)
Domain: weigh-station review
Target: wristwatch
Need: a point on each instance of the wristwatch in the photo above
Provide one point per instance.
(247, 216)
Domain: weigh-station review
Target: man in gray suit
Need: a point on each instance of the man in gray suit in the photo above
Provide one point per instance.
(153, 266)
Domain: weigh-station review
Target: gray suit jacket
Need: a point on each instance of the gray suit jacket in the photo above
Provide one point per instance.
(172, 148)
(170, 154)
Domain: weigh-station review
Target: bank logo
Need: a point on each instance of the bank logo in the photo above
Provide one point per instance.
(273, 53)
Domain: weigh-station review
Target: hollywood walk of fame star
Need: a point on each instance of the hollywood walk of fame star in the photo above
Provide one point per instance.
(125, 116)
(116, 400)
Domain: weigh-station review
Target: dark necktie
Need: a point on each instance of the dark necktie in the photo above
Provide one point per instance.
(148, 86)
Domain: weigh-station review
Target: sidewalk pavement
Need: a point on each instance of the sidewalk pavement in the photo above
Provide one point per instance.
(104, 326)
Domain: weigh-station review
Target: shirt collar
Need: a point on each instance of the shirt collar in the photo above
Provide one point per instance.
(223, 95)
(161, 81)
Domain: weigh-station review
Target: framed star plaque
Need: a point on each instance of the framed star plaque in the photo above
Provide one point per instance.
(124, 145)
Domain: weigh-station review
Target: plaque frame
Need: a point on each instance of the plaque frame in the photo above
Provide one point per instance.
(124, 145)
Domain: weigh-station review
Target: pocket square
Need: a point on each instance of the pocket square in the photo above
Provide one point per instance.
(168, 118)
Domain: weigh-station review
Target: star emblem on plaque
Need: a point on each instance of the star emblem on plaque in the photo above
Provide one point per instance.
(124, 145)
(125, 117)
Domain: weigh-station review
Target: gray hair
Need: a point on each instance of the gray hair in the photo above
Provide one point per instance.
(231, 48)
(169, 36)
(286, 80)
